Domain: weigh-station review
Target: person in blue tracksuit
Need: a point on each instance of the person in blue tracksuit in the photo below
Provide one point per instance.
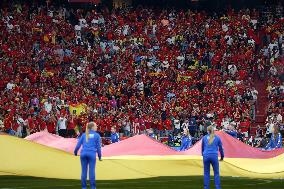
(186, 141)
(275, 140)
(211, 144)
(152, 134)
(114, 137)
(91, 142)
(231, 131)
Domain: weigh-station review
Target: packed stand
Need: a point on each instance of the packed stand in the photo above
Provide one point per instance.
(276, 91)
(273, 65)
(136, 70)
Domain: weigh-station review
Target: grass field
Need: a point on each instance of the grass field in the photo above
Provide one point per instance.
(15, 182)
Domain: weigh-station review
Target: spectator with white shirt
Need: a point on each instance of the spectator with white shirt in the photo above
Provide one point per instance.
(62, 126)
(1, 124)
(48, 106)
(273, 71)
(177, 124)
(10, 85)
(279, 117)
(232, 69)
(185, 124)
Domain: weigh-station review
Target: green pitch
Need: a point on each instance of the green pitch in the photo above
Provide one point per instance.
(15, 182)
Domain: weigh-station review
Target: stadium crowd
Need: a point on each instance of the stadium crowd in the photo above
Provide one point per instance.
(136, 70)
(275, 95)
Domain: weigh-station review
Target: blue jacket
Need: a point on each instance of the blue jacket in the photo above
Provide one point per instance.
(152, 135)
(186, 142)
(232, 133)
(114, 137)
(93, 144)
(274, 143)
(213, 148)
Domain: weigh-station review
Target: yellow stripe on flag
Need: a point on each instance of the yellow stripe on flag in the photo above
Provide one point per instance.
(42, 161)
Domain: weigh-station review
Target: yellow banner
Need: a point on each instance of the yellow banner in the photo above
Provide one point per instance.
(156, 74)
(78, 108)
(183, 78)
(43, 164)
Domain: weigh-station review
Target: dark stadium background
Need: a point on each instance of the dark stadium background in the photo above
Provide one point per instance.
(217, 5)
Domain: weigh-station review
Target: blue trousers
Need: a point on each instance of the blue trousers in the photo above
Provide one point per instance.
(88, 160)
(207, 160)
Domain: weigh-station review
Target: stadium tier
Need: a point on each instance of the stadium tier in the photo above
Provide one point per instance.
(141, 69)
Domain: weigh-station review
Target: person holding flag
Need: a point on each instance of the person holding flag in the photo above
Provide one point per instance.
(114, 137)
(91, 145)
(275, 139)
(186, 141)
(211, 144)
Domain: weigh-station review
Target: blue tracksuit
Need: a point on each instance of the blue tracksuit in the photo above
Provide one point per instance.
(152, 135)
(186, 143)
(88, 156)
(210, 156)
(232, 133)
(274, 142)
(114, 137)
